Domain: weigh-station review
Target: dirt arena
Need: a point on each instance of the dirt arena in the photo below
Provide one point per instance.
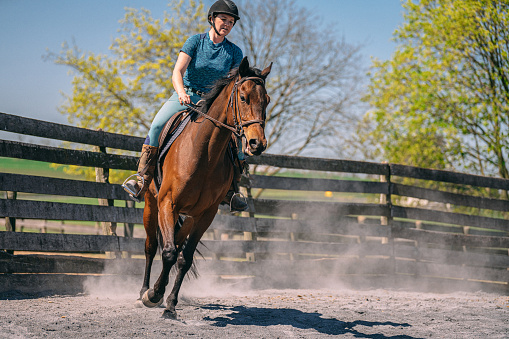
(207, 311)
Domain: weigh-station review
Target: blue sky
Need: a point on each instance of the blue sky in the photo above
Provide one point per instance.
(31, 87)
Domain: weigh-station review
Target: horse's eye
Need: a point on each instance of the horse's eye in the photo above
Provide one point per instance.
(242, 98)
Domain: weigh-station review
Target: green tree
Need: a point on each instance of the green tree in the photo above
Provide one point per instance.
(442, 101)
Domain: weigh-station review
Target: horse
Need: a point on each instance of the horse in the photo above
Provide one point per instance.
(197, 173)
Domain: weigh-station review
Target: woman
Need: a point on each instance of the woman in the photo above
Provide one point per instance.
(203, 59)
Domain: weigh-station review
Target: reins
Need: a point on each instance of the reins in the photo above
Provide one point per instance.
(212, 119)
(233, 103)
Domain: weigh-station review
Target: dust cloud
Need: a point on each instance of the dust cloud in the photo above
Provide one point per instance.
(336, 252)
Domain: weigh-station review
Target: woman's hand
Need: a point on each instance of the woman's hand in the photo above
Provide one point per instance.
(184, 98)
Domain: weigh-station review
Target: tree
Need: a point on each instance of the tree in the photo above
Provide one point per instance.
(442, 101)
(316, 79)
(312, 84)
(122, 92)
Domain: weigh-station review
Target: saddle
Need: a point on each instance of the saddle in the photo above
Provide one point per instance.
(171, 125)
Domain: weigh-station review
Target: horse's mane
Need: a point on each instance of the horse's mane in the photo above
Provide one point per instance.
(220, 84)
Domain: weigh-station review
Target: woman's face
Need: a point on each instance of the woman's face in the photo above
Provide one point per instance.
(224, 23)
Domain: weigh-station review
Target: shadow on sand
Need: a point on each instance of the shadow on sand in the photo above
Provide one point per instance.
(19, 295)
(256, 316)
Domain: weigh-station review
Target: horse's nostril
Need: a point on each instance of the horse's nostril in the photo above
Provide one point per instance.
(254, 143)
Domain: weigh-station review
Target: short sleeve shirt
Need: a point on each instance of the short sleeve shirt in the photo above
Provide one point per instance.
(209, 61)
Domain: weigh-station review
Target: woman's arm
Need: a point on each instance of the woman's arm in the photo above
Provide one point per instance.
(177, 78)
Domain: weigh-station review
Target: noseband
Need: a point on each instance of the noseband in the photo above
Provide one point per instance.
(233, 103)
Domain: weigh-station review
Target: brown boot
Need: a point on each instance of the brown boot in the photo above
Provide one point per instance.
(146, 167)
(235, 200)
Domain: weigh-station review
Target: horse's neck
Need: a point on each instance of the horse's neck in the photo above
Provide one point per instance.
(216, 137)
(219, 108)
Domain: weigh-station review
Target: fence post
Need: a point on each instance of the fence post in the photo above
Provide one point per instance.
(129, 227)
(418, 226)
(361, 239)
(218, 235)
(103, 175)
(10, 223)
(249, 236)
(386, 199)
(294, 216)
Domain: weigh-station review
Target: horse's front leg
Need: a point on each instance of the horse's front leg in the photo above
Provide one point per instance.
(150, 252)
(150, 223)
(185, 260)
(167, 219)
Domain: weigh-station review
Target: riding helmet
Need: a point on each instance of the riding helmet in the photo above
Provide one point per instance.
(224, 7)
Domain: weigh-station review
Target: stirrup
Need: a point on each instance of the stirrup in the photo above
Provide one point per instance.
(243, 198)
(129, 190)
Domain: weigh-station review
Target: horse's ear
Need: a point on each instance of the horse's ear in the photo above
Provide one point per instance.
(244, 67)
(266, 71)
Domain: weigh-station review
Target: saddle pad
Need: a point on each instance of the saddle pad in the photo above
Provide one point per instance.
(171, 125)
(171, 131)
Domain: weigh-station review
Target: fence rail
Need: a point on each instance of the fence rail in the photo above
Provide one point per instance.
(338, 219)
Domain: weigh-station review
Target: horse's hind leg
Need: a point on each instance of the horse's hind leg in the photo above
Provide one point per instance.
(150, 223)
(185, 261)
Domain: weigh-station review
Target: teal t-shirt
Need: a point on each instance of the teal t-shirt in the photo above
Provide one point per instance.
(209, 62)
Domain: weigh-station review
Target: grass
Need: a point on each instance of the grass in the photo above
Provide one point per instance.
(313, 196)
(39, 168)
(290, 173)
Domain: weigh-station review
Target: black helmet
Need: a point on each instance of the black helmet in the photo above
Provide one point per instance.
(224, 7)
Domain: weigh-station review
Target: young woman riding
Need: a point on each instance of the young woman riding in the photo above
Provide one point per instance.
(204, 59)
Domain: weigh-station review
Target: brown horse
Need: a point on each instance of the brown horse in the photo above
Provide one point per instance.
(197, 173)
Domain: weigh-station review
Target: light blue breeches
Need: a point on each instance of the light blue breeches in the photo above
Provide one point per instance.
(169, 108)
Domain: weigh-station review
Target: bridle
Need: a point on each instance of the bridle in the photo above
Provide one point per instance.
(238, 128)
(234, 104)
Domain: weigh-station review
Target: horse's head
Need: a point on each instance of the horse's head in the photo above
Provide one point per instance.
(252, 99)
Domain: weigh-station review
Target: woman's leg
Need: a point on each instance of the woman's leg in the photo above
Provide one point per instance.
(169, 108)
(148, 159)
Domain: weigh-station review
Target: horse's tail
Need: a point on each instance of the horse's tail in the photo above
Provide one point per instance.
(193, 271)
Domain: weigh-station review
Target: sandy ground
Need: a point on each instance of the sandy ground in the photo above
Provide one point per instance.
(107, 310)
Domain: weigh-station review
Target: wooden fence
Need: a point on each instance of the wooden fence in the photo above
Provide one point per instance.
(318, 221)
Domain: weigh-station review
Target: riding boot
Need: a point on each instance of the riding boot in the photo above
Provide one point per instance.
(146, 167)
(233, 197)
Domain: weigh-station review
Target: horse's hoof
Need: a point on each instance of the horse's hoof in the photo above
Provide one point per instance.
(146, 299)
(138, 303)
(167, 314)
